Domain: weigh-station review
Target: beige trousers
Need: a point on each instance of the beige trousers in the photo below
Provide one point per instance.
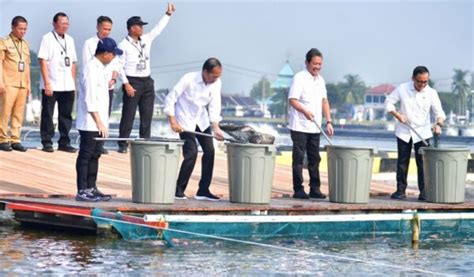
(12, 107)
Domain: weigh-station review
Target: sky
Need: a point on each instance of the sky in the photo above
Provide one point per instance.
(381, 41)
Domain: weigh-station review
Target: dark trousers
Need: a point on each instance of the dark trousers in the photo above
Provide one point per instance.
(65, 101)
(144, 99)
(87, 163)
(403, 162)
(190, 151)
(305, 143)
(111, 98)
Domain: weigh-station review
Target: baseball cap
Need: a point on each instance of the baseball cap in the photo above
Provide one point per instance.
(135, 20)
(108, 45)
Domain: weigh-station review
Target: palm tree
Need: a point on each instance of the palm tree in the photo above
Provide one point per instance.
(461, 88)
(355, 86)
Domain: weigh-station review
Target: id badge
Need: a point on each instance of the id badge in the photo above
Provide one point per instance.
(141, 65)
(67, 62)
(21, 66)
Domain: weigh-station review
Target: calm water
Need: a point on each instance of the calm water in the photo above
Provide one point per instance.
(24, 251)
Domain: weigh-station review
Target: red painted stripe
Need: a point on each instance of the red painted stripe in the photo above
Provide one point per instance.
(48, 208)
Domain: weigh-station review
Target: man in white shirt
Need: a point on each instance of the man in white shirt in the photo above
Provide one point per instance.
(92, 119)
(104, 27)
(138, 86)
(417, 101)
(185, 106)
(57, 59)
(307, 101)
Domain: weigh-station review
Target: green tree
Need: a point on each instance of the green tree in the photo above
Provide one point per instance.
(279, 103)
(352, 84)
(262, 90)
(35, 76)
(461, 88)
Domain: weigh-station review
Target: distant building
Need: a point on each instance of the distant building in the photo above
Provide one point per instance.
(160, 96)
(285, 77)
(237, 105)
(374, 101)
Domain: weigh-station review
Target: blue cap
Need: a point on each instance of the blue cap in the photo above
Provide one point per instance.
(108, 45)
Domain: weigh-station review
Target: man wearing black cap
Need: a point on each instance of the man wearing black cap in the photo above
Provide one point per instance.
(92, 119)
(138, 86)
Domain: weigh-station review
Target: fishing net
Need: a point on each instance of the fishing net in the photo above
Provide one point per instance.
(246, 134)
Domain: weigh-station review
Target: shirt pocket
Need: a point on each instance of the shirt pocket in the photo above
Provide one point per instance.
(424, 103)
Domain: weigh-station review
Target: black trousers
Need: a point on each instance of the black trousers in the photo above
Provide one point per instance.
(111, 98)
(190, 152)
(65, 100)
(87, 163)
(403, 162)
(144, 99)
(305, 143)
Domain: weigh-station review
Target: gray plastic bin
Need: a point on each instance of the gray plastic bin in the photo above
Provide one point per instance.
(445, 172)
(349, 173)
(154, 170)
(250, 168)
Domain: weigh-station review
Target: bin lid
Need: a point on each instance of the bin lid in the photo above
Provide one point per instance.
(447, 149)
(158, 141)
(248, 144)
(374, 149)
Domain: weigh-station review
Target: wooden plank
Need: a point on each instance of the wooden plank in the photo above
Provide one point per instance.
(39, 172)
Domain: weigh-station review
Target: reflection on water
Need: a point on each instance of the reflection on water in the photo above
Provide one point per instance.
(24, 251)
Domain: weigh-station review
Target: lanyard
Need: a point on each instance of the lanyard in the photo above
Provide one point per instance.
(18, 50)
(64, 47)
(140, 50)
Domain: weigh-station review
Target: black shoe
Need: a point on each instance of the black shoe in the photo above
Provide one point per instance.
(104, 151)
(5, 147)
(67, 148)
(48, 148)
(422, 196)
(123, 149)
(206, 196)
(86, 196)
(398, 195)
(180, 196)
(102, 197)
(18, 147)
(300, 194)
(316, 193)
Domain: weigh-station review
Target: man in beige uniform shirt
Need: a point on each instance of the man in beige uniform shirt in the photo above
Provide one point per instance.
(14, 84)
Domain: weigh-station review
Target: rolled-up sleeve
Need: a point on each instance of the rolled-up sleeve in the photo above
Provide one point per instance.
(173, 95)
(215, 104)
(391, 100)
(436, 106)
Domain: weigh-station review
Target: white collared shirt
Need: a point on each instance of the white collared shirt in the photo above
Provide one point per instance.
(93, 96)
(416, 106)
(135, 51)
(54, 49)
(88, 53)
(188, 99)
(310, 92)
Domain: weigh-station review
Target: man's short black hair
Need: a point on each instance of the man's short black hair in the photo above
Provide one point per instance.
(18, 19)
(210, 64)
(56, 16)
(103, 18)
(313, 52)
(420, 70)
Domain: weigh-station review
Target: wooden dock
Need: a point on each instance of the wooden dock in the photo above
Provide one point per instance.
(39, 173)
(39, 188)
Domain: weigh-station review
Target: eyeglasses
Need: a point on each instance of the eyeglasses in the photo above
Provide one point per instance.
(421, 82)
